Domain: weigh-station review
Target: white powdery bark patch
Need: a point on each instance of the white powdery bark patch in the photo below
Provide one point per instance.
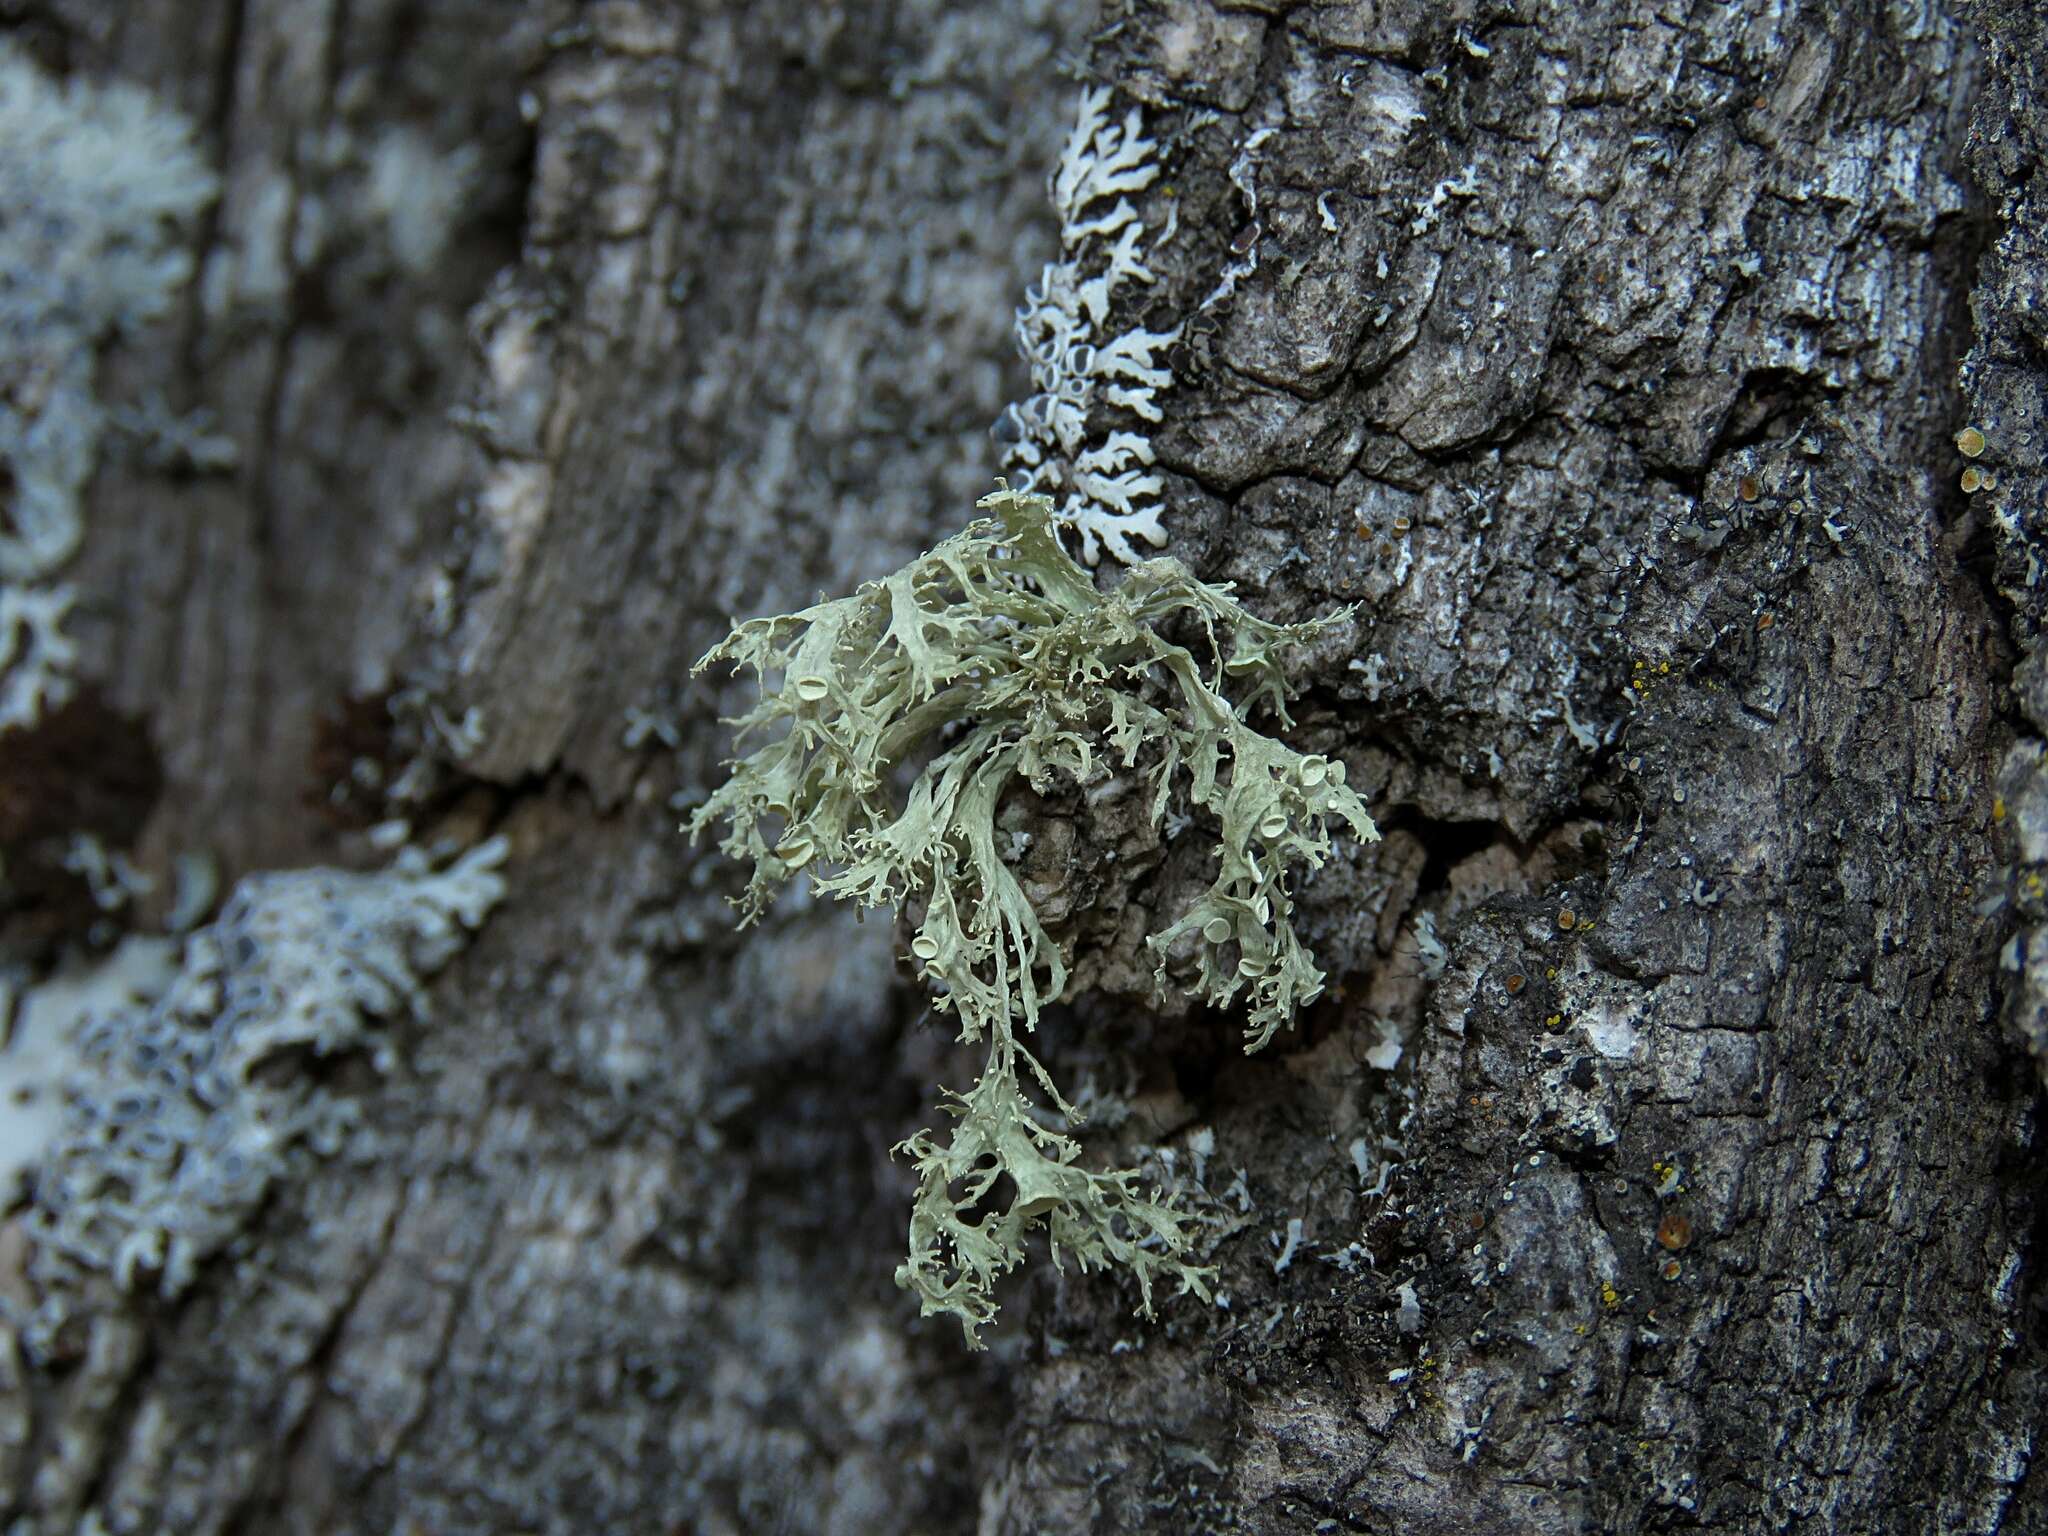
(1101, 482)
(36, 656)
(94, 182)
(180, 1112)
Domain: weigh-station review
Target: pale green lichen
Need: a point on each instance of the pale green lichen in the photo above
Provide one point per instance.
(990, 660)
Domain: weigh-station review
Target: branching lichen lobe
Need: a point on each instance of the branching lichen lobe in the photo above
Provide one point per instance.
(994, 659)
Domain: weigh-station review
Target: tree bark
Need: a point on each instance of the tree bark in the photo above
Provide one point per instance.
(1608, 357)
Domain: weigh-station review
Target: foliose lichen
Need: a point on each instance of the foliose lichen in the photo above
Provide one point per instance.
(991, 661)
(1104, 487)
(181, 1113)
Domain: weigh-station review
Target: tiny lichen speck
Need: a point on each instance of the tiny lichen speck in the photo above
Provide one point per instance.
(991, 660)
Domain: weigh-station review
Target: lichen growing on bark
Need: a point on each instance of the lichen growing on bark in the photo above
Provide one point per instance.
(992, 660)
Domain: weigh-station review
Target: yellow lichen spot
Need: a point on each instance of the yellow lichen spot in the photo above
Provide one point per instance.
(1579, 1328)
(1610, 1298)
(1550, 973)
(1663, 667)
(1969, 442)
(1998, 808)
(1553, 1021)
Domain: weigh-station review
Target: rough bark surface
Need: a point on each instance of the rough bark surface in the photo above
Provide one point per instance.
(1605, 354)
